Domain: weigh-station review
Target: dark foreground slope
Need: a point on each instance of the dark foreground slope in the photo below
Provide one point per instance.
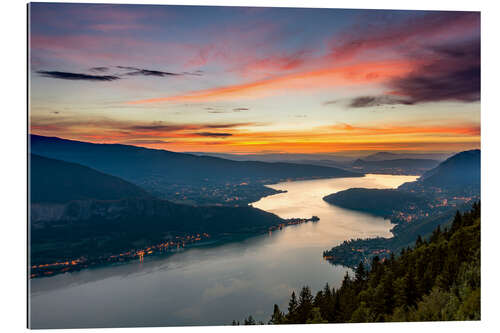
(167, 173)
(53, 181)
(436, 280)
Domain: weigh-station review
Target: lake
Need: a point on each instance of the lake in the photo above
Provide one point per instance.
(212, 285)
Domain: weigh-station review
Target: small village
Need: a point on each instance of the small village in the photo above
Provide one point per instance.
(351, 253)
(175, 244)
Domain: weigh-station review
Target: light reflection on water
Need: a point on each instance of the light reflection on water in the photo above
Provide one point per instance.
(215, 284)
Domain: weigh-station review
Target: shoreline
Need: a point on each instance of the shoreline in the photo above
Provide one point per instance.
(161, 249)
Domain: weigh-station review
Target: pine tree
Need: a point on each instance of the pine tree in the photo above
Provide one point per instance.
(437, 279)
(315, 317)
(277, 317)
(305, 304)
(250, 320)
(292, 309)
(419, 241)
(436, 234)
(457, 222)
(360, 273)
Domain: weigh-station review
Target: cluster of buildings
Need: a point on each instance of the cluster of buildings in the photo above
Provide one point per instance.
(294, 221)
(176, 243)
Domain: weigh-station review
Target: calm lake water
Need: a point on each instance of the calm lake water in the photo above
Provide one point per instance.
(212, 285)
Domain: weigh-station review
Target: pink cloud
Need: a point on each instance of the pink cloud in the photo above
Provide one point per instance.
(407, 35)
(118, 27)
(361, 73)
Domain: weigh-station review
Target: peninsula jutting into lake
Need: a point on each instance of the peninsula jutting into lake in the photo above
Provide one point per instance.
(212, 165)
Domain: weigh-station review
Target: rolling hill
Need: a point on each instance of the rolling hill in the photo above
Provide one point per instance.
(462, 169)
(380, 202)
(59, 182)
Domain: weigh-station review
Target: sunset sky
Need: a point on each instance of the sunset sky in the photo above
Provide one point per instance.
(256, 80)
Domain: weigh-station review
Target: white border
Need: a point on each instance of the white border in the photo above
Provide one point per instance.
(13, 163)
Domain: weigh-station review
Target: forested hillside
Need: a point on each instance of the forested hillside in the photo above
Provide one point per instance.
(375, 201)
(92, 228)
(438, 279)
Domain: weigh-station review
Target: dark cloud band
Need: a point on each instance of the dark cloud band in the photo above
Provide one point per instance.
(134, 71)
(99, 69)
(367, 101)
(215, 135)
(77, 76)
(452, 72)
(146, 72)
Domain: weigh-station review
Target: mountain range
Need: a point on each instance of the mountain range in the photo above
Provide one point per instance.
(166, 173)
(387, 156)
(396, 166)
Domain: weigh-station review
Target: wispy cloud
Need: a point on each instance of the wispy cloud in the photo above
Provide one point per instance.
(247, 137)
(467, 129)
(134, 71)
(131, 71)
(214, 135)
(369, 101)
(77, 76)
(368, 72)
(146, 72)
(134, 130)
(140, 142)
(99, 69)
(404, 35)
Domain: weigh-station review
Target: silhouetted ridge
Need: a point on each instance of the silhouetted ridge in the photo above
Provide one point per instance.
(459, 170)
(157, 170)
(58, 182)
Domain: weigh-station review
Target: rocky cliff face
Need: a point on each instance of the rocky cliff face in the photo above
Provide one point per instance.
(46, 212)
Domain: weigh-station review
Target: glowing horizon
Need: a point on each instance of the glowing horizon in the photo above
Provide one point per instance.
(256, 80)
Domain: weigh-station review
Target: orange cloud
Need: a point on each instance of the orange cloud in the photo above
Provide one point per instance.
(471, 130)
(310, 147)
(367, 72)
(244, 137)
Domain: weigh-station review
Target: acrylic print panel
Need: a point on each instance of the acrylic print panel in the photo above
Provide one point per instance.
(233, 165)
